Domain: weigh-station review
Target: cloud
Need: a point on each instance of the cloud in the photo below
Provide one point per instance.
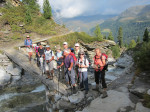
(73, 8)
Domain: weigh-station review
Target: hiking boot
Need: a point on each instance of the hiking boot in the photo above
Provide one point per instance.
(86, 92)
(104, 94)
(97, 88)
(74, 90)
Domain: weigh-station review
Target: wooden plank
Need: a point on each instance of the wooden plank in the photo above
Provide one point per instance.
(35, 71)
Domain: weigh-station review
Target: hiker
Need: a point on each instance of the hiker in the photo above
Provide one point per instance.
(65, 45)
(36, 52)
(83, 64)
(49, 57)
(59, 60)
(28, 45)
(99, 63)
(69, 71)
(41, 57)
(77, 50)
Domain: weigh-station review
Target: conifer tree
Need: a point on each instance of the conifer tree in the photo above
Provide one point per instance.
(110, 36)
(28, 18)
(47, 10)
(146, 36)
(138, 40)
(120, 37)
(132, 44)
(97, 33)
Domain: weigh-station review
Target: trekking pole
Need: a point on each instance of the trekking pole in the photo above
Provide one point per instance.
(58, 79)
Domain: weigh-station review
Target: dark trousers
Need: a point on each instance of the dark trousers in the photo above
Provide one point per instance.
(100, 77)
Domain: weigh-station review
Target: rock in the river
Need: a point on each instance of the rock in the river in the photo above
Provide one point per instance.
(112, 103)
(13, 71)
(148, 92)
(61, 104)
(124, 61)
(76, 98)
(16, 78)
(4, 77)
(141, 108)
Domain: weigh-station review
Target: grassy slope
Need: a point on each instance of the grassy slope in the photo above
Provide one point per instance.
(13, 17)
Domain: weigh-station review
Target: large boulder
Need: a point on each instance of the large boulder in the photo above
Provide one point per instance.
(4, 77)
(112, 103)
(141, 108)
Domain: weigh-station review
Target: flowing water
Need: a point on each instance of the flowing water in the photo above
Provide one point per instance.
(39, 92)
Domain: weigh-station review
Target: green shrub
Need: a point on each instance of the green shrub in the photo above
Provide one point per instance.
(142, 56)
(146, 100)
(115, 51)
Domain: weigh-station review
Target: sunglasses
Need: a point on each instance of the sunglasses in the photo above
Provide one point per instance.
(81, 54)
(76, 46)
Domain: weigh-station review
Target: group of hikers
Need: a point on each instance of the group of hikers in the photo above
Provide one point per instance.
(73, 63)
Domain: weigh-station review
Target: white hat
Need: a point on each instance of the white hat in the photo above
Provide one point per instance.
(77, 44)
(65, 43)
(47, 46)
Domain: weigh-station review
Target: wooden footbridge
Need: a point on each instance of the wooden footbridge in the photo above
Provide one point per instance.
(19, 58)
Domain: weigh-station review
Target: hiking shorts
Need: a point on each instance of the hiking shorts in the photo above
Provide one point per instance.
(70, 75)
(29, 49)
(49, 66)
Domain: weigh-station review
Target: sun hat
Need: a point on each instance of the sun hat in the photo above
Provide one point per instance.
(65, 43)
(77, 44)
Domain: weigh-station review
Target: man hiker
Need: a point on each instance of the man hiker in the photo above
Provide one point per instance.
(28, 45)
(77, 49)
(49, 57)
(36, 52)
(59, 57)
(41, 57)
(69, 71)
(65, 45)
(99, 63)
(83, 64)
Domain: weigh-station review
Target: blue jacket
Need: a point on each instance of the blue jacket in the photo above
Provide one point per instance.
(28, 43)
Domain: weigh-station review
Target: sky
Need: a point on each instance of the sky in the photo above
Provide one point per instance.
(74, 8)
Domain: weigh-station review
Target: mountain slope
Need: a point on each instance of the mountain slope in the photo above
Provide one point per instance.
(133, 21)
(85, 23)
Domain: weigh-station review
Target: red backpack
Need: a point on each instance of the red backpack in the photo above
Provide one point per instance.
(74, 57)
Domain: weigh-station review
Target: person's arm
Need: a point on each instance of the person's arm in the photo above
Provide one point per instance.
(71, 65)
(52, 57)
(87, 64)
(60, 65)
(103, 61)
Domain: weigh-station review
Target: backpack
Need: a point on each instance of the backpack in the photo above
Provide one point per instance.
(74, 57)
(106, 60)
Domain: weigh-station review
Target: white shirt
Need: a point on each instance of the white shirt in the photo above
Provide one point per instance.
(84, 63)
(48, 54)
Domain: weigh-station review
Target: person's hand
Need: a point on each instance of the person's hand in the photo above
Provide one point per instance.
(69, 69)
(47, 61)
(58, 66)
(101, 68)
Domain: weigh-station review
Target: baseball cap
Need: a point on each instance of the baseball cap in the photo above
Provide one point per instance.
(77, 44)
(65, 43)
